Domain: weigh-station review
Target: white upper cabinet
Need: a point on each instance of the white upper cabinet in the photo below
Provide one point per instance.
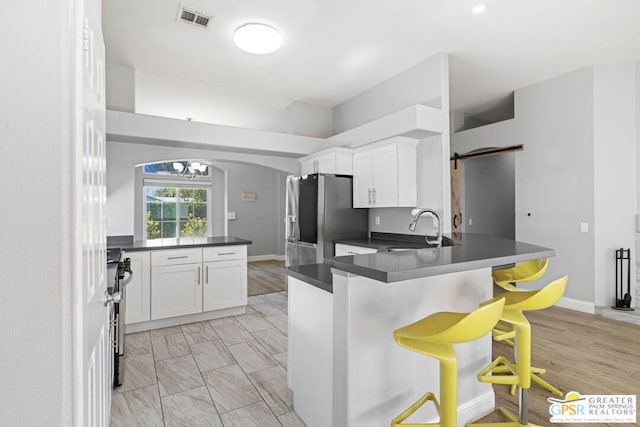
(385, 175)
(335, 160)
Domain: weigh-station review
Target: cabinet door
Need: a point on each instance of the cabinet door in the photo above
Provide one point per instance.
(138, 290)
(225, 284)
(326, 163)
(362, 180)
(385, 176)
(176, 290)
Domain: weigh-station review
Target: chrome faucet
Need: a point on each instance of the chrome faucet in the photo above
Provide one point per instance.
(416, 215)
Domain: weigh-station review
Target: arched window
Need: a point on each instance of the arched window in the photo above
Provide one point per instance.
(176, 199)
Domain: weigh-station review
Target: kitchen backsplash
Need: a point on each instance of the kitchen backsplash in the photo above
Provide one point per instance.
(397, 220)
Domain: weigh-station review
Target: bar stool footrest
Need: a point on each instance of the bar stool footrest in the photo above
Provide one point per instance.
(513, 421)
(397, 421)
(499, 366)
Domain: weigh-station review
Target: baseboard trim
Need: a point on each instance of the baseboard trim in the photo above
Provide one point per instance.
(270, 257)
(577, 305)
(182, 320)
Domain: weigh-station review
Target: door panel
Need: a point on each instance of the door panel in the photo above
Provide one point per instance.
(362, 179)
(308, 209)
(176, 290)
(138, 301)
(456, 206)
(385, 176)
(92, 397)
(225, 284)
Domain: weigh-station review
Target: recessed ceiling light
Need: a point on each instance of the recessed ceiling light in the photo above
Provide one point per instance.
(478, 9)
(257, 38)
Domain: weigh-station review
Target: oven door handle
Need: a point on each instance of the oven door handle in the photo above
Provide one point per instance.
(128, 279)
(115, 297)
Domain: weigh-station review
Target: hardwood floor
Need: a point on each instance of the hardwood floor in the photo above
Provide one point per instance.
(265, 277)
(581, 352)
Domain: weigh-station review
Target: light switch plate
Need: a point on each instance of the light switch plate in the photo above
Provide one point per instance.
(584, 227)
(231, 215)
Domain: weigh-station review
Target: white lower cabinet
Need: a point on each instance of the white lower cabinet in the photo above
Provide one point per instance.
(225, 284)
(194, 280)
(138, 290)
(176, 290)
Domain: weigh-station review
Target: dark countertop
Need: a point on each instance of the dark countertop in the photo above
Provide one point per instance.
(184, 242)
(471, 252)
(318, 275)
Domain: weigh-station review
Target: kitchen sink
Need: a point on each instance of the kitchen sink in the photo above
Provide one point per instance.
(413, 247)
(400, 249)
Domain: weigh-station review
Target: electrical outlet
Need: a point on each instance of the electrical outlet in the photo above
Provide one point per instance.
(377, 219)
(470, 221)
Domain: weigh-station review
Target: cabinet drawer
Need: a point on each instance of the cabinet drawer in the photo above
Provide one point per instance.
(224, 253)
(342, 250)
(177, 256)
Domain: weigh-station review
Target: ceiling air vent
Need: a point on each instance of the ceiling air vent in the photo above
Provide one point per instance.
(193, 16)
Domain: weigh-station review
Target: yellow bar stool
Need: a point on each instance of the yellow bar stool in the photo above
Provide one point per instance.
(519, 373)
(434, 336)
(523, 272)
(506, 279)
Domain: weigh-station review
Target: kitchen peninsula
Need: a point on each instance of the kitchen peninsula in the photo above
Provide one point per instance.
(178, 281)
(345, 368)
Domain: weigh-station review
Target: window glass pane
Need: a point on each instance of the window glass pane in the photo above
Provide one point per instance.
(200, 210)
(169, 208)
(194, 228)
(168, 229)
(167, 168)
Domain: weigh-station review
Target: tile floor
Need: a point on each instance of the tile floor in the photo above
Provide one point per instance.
(229, 372)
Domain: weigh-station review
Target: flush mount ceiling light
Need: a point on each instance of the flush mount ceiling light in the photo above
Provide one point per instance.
(478, 9)
(257, 38)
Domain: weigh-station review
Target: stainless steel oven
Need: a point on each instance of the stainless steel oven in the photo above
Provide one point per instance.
(117, 290)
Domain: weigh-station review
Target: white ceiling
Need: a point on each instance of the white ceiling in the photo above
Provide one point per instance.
(335, 49)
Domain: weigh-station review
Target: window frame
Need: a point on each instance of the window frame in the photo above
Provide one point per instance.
(144, 180)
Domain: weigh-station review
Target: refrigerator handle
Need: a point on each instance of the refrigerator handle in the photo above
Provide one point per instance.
(291, 229)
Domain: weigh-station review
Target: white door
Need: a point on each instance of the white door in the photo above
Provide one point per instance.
(225, 284)
(385, 176)
(327, 163)
(93, 362)
(139, 288)
(362, 180)
(176, 290)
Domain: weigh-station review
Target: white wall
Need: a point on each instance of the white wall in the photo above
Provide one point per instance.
(261, 220)
(36, 303)
(120, 88)
(578, 132)
(616, 186)
(420, 84)
(121, 161)
(310, 120)
(489, 199)
(425, 83)
(165, 96)
(177, 98)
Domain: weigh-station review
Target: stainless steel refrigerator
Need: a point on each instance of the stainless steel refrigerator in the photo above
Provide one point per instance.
(319, 211)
